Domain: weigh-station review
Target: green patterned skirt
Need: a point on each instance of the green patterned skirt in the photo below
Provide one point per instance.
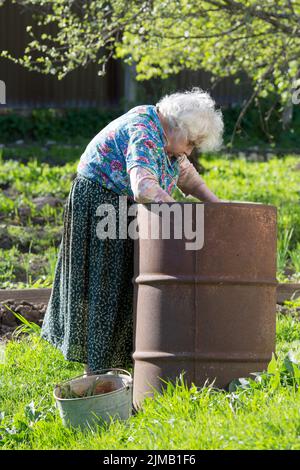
(90, 311)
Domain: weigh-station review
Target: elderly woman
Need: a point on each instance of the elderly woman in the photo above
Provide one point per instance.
(143, 155)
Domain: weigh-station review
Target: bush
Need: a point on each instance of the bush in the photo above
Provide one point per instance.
(72, 123)
(54, 124)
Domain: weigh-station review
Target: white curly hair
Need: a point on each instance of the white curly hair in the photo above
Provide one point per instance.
(192, 115)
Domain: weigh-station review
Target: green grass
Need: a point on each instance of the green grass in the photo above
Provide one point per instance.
(258, 414)
(261, 413)
(275, 182)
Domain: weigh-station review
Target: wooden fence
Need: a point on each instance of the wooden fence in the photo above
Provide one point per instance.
(83, 87)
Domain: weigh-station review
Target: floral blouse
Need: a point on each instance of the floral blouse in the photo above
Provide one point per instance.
(146, 188)
(136, 138)
(128, 157)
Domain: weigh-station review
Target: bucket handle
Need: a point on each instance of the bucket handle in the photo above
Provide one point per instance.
(111, 369)
(95, 372)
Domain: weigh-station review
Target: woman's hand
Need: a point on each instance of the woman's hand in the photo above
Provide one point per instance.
(205, 194)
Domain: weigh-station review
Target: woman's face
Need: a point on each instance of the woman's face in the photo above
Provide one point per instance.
(177, 145)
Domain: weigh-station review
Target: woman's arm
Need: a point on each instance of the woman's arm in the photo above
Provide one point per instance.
(190, 182)
(145, 186)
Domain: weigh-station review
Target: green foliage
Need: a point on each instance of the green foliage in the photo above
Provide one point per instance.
(257, 129)
(283, 249)
(76, 126)
(163, 38)
(26, 326)
(221, 37)
(69, 125)
(279, 373)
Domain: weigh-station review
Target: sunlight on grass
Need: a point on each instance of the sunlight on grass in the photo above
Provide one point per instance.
(260, 414)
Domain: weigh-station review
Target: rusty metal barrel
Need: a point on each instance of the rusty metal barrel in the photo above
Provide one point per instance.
(210, 311)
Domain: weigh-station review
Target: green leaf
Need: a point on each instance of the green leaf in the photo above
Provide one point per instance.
(272, 366)
(290, 361)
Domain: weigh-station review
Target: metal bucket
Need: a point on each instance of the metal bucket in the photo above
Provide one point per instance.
(115, 400)
(210, 312)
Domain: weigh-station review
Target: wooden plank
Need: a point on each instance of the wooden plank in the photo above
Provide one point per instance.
(35, 296)
(284, 292)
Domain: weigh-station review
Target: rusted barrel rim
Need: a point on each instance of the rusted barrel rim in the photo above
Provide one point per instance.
(229, 203)
(201, 357)
(191, 279)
